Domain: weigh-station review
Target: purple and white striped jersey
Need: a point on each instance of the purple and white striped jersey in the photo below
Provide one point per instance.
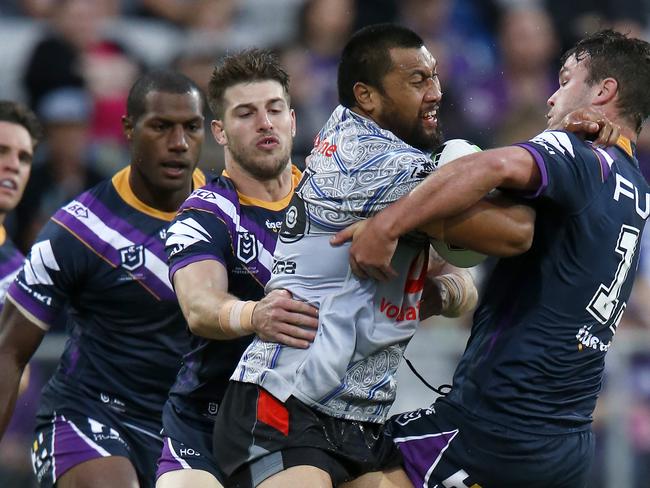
(101, 260)
(355, 169)
(11, 260)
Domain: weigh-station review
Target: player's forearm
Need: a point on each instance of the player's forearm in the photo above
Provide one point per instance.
(495, 226)
(443, 194)
(12, 371)
(220, 317)
(451, 293)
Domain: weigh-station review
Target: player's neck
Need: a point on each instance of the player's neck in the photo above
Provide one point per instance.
(270, 190)
(155, 197)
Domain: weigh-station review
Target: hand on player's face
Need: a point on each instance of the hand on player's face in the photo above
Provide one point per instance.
(371, 250)
(279, 318)
(592, 124)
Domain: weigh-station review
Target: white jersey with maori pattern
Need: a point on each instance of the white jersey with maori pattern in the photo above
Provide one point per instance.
(355, 169)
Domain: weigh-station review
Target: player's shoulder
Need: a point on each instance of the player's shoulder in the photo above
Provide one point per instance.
(218, 194)
(563, 143)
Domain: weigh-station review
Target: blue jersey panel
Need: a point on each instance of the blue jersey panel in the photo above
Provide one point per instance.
(102, 261)
(535, 357)
(215, 223)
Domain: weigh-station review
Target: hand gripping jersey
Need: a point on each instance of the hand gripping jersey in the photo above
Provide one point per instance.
(535, 358)
(217, 223)
(101, 259)
(11, 260)
(355, 169)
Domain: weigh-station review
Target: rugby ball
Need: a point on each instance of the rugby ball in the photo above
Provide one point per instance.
(458, 256)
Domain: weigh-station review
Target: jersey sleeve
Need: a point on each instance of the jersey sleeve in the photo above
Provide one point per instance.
(337, 198)
(572, 170)
(196, 234)
(55, 267)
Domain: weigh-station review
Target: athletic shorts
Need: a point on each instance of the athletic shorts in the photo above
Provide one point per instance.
(66, 438)
(187, 445)
(257, 436)
(443, 447)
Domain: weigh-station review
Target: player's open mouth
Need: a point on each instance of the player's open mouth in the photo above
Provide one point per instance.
(430, 118)
(268, 142)
(9, 184)
(174, 168)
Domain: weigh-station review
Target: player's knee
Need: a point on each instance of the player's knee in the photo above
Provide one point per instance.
(105, 472)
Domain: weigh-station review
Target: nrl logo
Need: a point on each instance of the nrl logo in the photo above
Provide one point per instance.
(246, 247)
(132, 257)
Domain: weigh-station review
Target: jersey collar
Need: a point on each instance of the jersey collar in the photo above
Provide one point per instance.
(281, 204)
(121, 184)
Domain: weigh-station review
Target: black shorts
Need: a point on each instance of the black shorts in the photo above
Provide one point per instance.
(257, 436)
(67, 437)
(442, 446)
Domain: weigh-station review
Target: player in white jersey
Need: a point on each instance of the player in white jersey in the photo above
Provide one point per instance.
(313, 417)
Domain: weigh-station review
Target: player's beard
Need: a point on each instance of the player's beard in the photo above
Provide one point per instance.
(411, 131)
(262, 167)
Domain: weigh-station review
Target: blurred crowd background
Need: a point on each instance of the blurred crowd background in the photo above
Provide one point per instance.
(73, 62)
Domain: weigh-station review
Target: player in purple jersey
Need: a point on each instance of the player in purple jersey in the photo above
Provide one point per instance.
(101, 260)
(520, 409)
(220, 249)
(20, 131)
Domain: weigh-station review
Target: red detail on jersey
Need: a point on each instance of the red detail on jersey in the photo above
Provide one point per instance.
(392, 311)
(417, 273)
(324, 147)
(272, 411)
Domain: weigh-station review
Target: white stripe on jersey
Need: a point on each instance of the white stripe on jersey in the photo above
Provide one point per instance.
(40, 260)
(186, 232)
(116, 240)
(180, 460)
(264, 257)
(604, 154)
(555, 141)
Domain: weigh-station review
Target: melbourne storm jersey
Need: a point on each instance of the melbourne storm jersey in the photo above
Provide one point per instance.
(535, 357)
(355, 169)
(218, 223)
(11, 260)
(101, 258)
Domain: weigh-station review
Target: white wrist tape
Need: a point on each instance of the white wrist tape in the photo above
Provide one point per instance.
(235, 317)
(457, 293)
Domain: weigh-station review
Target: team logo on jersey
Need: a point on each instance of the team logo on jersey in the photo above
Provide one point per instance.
(132, 257)
(246, 246)
(295, 224)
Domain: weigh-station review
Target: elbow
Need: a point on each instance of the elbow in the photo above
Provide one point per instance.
(194, 324)
(521, 239)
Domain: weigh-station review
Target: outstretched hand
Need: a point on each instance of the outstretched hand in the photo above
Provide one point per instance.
(371, 250)
(593, 125)
(279, 318)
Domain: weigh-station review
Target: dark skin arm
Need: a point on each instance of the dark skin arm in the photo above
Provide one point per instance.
(19, 339)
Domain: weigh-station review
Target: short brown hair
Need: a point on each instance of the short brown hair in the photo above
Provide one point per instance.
(19, 114)
(244, 67)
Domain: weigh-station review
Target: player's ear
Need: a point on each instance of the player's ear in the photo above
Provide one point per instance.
(216, 126)
(127, 127)
(365, 96)
(607, 91)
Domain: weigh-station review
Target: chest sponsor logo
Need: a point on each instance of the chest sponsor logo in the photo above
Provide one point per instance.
(246, 247)
(78, 210)
(275, 226)
(132, 257)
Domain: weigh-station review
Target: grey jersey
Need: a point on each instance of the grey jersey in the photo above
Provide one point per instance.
(355, 169)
